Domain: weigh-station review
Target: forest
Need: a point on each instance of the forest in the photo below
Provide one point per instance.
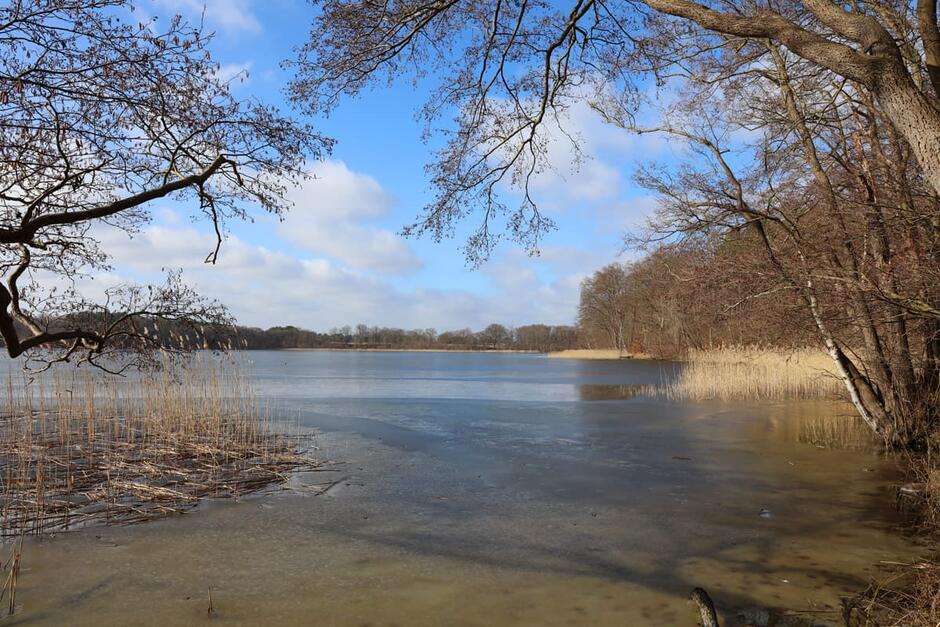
(531, 337)
(693, 295)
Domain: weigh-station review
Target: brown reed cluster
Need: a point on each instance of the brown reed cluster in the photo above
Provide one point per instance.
(743, 373)
(78, 448)
(906, 595)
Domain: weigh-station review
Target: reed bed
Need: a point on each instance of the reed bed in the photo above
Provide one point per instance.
(596, 353)
(754, 373)
(905, 595)
(79, 449)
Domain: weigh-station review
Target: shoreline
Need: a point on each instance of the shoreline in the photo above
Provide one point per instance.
(403, 350)
(596, 353)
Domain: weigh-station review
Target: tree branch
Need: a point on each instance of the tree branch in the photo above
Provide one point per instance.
(770, 25)
(25, 233)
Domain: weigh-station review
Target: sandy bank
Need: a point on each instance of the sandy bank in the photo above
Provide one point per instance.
(406, 350)
(596, 353)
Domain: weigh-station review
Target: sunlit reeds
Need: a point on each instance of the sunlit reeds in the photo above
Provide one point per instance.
(597, 353)
(837, 432)
(76, 448)
(741, 373)
(904, 594)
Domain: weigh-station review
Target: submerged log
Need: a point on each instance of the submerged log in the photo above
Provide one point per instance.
(705, 607)
(912, 489)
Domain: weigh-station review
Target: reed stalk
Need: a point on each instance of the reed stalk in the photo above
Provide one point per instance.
(77, 448)
(741, 373)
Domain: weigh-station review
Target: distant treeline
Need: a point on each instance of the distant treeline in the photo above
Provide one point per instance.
(186, 335)
(532, 337)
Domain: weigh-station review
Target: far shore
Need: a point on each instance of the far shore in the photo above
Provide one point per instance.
(406, 350)
(596, 353)
(576, 353)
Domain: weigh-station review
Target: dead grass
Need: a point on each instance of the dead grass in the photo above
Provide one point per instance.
(77, 449)
(906, 595)
(596, 353)
(741, 373)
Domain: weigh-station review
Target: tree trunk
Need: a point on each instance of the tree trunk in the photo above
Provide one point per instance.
(930, 36)
(915, 118)
(863, 396)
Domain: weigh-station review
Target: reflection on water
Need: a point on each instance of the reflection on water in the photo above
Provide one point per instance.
(838, 432)
(485, 490)
(824, 424)
(614, 392)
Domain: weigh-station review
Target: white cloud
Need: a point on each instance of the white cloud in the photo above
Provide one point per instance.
(589, 159)
(628, 215)
(572, 173)
(168, 216)
(335, 215)
(235, 73)
(572, 260)
(232, 16)
(260, 285)
(265, 287)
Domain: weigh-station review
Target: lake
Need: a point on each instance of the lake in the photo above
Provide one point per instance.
(501, 489)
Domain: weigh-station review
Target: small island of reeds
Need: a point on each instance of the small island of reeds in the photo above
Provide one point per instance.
(79, 449)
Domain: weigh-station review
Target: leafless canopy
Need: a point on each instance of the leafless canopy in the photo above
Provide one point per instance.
(513, 70)
(100, 116)
(513, 67)
(815, 127)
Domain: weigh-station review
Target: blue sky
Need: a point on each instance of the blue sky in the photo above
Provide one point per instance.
(337, 258)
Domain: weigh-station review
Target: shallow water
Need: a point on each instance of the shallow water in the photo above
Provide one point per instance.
(501, 489)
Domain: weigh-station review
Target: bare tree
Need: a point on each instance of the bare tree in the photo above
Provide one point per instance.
(606, 306)
(512, 70)
(838, 184)
(495, 336)
(847, 222)
(99, 117)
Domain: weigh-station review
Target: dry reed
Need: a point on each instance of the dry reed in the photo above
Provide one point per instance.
(755, 373)
(596, 353)
(905, 595)
(76, 448)
(12, 568)
(908, 594)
